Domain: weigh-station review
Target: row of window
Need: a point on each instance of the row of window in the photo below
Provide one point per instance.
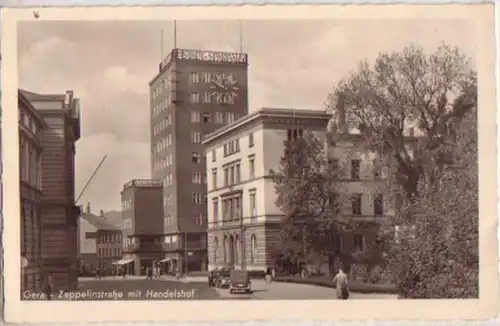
(232, 173)
(208, 117)
(127, 204)
(109, 252)
(109, 238)
(167, 200)
(163, 163)
(162, 87)
(233, 147)
(378, 204)
(164, 104)
(28, 123)
(127, 223)
(162, 125)
(355, 168)
(232, 208)
(163, 143)
(30, 164)
(208, 77)
(231, 249)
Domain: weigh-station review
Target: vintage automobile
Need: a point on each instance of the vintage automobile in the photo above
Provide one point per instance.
(223, 278)
(240, 281)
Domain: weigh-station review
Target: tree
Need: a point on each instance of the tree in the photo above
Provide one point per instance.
(440, 257)
(306, 194)
(402, 90)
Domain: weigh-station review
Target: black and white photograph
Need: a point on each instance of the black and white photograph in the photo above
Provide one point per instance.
(250, 159)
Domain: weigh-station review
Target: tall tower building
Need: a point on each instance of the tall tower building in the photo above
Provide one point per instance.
(195, 93)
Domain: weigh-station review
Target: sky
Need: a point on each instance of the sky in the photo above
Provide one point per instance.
(108, 64)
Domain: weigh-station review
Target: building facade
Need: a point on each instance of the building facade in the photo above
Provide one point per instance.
(100, 243)
(61, 113)
(31, 127)
(142, 229)
(194, 93)
(243, 220)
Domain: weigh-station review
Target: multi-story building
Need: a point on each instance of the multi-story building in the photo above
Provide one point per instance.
(243, 220)
(100, 243)
(194, 93)
(142, 228)
(61, 113)
(31, 126)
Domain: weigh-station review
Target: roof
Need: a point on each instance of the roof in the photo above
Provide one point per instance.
(100, 222)
(28, 106)
(268, 112)
(42, 97)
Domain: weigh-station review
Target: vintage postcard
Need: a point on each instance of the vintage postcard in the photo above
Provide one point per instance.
(249, 163)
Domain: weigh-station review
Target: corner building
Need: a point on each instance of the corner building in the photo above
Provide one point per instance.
(195, 93)
(142, 228)
(31, 127)
(60, 215)
(243, 219)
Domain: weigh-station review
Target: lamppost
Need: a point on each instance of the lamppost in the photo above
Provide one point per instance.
(243, 243)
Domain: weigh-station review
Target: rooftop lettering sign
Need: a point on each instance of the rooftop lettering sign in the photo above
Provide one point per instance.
(208, 56)
(143, 183)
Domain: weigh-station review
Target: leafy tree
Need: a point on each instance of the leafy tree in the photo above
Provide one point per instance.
(439, 258)
(306, 194)
(402, 90)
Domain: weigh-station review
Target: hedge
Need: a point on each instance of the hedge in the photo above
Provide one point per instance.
(354, 286)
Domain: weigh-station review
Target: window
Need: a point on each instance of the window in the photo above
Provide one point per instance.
(214, 155)
(253, 249)
(253, 205)
(195, 158)
(198, 219)
(356, 204)
(194, 77)
(195, 137)
(250, 140)
(232, 147)
(251, 167)
(237, 173)
(196, 177)
(226, 176)
(195, 117)
(207, 117)
(333, 164)
(230, 117)
(196, 198)
(194, 97)
(206, 77)
(293, 134)
(216, 248)
(355, 166)
(219, 117)
(215, 205)
(376, 169)
(378, 205)
(358, 240)
(214, 178)
(207, 97)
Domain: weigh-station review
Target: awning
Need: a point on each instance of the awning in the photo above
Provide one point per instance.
(124, 261)
(165, 260)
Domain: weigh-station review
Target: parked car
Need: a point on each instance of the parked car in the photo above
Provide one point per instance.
(240, 281)
(223, 278)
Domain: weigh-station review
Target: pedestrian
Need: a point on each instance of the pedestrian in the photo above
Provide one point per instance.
(149, 272)
(47, 287)
(341, 286)
(273, 273)
(268, 275)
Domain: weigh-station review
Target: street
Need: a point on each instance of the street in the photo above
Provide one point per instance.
(196, 288)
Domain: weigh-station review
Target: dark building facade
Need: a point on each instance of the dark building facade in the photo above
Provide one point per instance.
(142, 229)
(61, 113)
(31, 127)
(195, 93)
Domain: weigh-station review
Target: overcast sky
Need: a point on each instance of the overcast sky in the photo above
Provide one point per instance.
(109, 64)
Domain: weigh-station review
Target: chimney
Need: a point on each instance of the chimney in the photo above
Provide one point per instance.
(88, 208)
(341, 123)
(102, 213)
(411, 132)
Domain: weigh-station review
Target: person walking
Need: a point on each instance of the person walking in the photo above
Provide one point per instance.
(47, 287)
(341, 286)
(268, 275)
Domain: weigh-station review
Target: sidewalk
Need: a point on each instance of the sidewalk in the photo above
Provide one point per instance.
(187, 279)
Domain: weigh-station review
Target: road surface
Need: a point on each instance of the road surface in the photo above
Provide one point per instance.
(197, 288)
